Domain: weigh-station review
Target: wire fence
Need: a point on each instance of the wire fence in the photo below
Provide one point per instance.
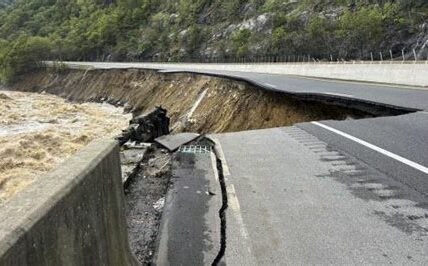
(404, 57)
(412, 56)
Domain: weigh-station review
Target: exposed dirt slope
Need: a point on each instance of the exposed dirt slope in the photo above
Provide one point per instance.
(195, 103)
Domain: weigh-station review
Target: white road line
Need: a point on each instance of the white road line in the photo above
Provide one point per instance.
(394, 156)
(234, 205)
(270, 85)
(358, 82)
(339, 94)
(221, 156)
(214, 165)
(242, 254)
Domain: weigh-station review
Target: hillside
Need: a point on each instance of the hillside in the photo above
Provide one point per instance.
(178, 30)
(5, 3)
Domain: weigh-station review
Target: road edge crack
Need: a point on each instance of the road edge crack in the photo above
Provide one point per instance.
(222, 211)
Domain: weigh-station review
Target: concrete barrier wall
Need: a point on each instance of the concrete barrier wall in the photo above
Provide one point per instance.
(390, 73)
(72, 216)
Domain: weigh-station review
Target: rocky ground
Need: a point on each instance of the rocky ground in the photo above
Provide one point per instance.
(146, 168)
(145, 198)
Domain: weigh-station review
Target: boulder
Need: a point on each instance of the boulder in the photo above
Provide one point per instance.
(147, 127)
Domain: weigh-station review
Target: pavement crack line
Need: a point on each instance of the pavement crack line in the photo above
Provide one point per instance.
(222, 211)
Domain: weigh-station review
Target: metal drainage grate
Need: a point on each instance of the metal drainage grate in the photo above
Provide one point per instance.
(195, 149)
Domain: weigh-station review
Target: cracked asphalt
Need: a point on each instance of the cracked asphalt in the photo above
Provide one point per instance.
(294, 199)
(333, 192)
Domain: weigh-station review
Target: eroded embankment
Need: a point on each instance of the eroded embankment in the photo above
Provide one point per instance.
(194, 103)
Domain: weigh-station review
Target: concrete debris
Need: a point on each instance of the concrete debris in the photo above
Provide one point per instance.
(135, 145)
(147, 127)
(131, 158)
(127, 173)
(159, 204)
(173, 142)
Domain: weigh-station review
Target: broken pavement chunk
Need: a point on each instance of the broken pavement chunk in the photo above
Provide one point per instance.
(173, 142)
(147, 127)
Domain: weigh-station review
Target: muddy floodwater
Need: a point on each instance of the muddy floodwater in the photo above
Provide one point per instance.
(39, 131)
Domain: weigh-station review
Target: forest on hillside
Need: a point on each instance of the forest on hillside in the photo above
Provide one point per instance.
(184, 30)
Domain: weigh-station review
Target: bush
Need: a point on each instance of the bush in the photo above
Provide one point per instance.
(362, 30)
(21, 56)
(240, 42)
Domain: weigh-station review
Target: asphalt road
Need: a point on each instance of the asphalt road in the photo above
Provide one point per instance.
(296, 200)
(405, 136)
(329, 192)
(407, 97)
(190, 227)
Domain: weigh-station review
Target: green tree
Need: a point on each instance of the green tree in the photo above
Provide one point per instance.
(240, 41)
(22, 55)
(362, 29)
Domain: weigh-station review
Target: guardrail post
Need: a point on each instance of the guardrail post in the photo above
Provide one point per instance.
(404, 58)
(414, 53)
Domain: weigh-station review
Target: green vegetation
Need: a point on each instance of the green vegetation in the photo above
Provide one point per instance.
(240, 41)
(22, 55)
(5, 3)
(34, 30)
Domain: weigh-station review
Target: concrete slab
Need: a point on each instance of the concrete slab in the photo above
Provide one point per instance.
(289, 206)
(73, 215)
(173, 142)
(190, 228)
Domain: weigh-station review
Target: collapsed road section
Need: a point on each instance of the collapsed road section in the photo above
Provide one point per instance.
(175, 194)
(176, 191)
(197, 103)
(191, 223)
